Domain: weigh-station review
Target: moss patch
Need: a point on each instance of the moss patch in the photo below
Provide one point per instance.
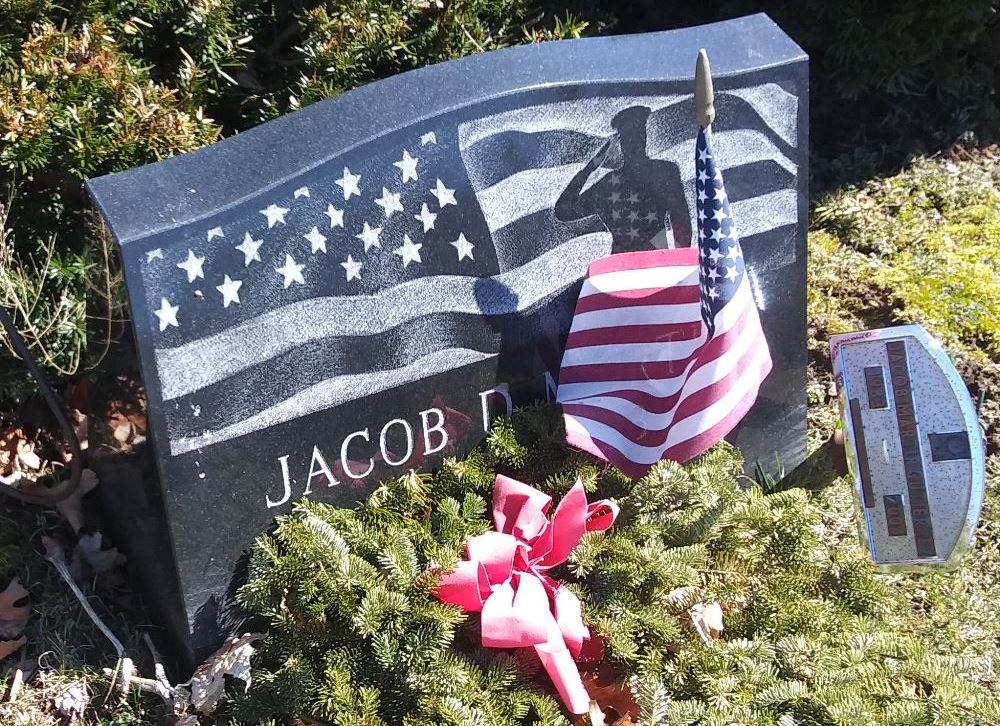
(919, 247)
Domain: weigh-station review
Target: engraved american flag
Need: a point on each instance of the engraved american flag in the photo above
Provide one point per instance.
(423, 251)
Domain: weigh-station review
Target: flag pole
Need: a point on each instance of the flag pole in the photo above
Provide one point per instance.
(704, 95)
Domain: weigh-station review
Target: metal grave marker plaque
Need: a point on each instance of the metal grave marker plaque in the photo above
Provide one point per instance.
(914, 445)
(353, 290)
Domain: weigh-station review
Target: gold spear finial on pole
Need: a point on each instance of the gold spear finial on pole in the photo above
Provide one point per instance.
(704, 95)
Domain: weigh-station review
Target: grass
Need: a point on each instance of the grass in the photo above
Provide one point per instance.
(920, 246)
(64, 646)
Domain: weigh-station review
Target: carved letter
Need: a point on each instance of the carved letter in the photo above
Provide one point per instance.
(316, 471)
(439, 427)
(409, 442)
(283, 461)
(345, 462)
(500, 390)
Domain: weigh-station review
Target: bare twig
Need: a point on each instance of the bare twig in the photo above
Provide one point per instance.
(15, 685)
(54, 554)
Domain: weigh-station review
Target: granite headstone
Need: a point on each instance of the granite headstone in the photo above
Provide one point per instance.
(353, 290)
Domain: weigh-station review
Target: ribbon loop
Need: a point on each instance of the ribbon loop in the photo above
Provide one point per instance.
(504, 578)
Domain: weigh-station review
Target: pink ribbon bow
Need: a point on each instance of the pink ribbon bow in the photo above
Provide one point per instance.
(505, 578)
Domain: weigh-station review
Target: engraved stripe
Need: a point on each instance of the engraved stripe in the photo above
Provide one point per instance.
(868, 493)
(913, 463)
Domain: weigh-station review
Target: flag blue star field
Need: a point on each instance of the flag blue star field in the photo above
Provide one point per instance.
(665, 353)
(442, 245)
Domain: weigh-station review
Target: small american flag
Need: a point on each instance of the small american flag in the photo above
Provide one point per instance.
(666, 352)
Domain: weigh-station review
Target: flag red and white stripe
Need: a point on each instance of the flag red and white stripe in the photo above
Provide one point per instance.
(666, 353)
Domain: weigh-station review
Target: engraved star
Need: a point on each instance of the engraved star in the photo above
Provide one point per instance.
(291, 272)
(230, 290)
(408, 165)
(192, 266)
(429, 138)
(389, 202)
(167, 314)
(215, 232)
(249, 248)
(652, 217)
(336, 216)
(615, 180)
(427, 217)
(633, 198)
(633, 216)
(633, 233)
(445, 196)
(350, 183)
(352, 268)
(301, 192)
(274, 214)
(409, 252)
(156, 254)
(615, 214)
(369, 235)
(464, 247)
(615, 197)
(316, 240)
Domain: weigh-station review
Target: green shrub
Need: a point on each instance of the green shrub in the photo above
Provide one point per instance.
(88, 88)
(811, 635)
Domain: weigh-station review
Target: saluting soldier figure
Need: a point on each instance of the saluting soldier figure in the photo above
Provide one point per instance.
(641, 200)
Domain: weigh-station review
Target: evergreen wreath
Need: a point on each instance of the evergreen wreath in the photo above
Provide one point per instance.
(356, 636)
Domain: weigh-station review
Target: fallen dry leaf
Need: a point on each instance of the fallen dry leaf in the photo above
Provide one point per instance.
(100, 560)
(208, 684)
(71, 508)
(10, 442)
(13, 616)
(7, 647)
(707, 620)
(72, 703)
(121, 429)
(27, 457)
(127, 422)
(612, 696)
(81, 426)
(429, 6)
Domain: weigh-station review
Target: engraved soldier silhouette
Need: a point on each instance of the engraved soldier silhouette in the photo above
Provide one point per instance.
(641, 201)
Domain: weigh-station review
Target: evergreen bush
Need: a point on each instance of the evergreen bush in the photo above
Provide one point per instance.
(812, 635)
